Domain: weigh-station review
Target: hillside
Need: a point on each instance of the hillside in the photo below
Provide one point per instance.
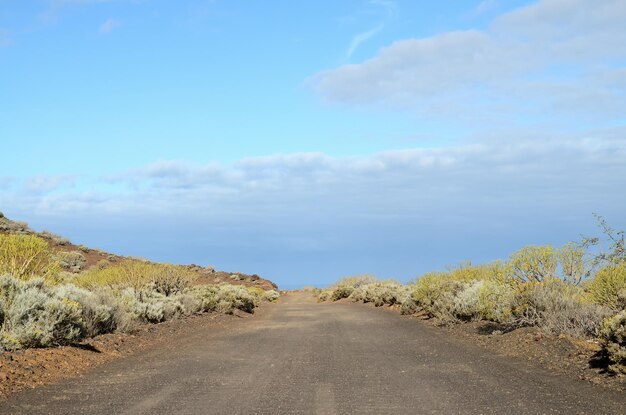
(92, 257)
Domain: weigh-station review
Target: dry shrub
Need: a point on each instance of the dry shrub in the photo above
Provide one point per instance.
(345, 287)
(73, 261)
(163, 278)
(7, 225)
(557, 307)
(608, 286)
(226, 298)
(27, 256)
(613, 339)
(489, 299)
(35, 315)
(380, 293)
(533, 263)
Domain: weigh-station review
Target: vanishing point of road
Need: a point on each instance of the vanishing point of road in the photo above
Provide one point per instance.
(300, 357)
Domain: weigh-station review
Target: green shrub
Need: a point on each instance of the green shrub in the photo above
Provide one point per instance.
(101, 313)
(435, 292)
(57, 239)
(164, 278)
(73, 261)
(151, 306)
(380, 293)
(34, 315)
(343, 288)
(226, 298)
(574, 268)
(533, 263)
(557, 307)
(272, 295)
(27, 256)
(608, 286)
(613, 340)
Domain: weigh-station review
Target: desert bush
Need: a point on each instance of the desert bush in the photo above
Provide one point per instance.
(163, 278)
(27, 256)
(226, 298)
(101, 313)
(236, 297)
(323, 295)
(613, 340)
(345, 287)
(380, 293)
(435, 292)
(35, 315)
(533, 263)
(151, 306)
(488, 299)
(608, 286)
(272, 295)
(57, 239)
(557, 307)
(73, 261)
(7, 225)
(574, 268)
(409, 306)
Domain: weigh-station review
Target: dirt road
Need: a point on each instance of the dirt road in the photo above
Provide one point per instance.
(299, 357)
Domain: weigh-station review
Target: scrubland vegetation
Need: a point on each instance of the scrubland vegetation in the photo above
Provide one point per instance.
(561, 291)
(47, 298)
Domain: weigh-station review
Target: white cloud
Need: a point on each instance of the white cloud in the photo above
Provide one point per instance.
(575, 174)
(552, 59)
(109, 25)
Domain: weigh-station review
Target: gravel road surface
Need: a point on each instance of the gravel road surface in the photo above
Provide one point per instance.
(300, 357)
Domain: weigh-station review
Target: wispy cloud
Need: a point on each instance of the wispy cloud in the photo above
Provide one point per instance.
(390, 11)
(362, 37)
(109, 25)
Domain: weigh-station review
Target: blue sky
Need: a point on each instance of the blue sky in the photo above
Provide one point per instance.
(308, 140)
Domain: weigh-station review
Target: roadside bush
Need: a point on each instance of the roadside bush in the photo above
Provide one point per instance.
(608, 286)
(35, 315)
(163, 278)
(153, 307)
(380, 293)
(100, 310)
(226, 298)
(557, 307)
(233, 297)
(533, 263)
(27, 256)
(409, 306)
(574, 268)
(73, 261)
(435, 292)
(272, 295)
(613, 339)
(345, 287)
(488, 299)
